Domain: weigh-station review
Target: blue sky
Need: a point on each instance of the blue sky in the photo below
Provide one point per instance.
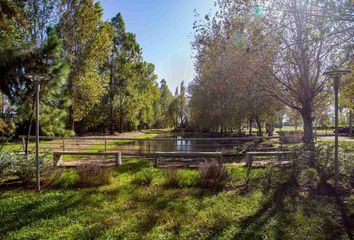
(164, 29)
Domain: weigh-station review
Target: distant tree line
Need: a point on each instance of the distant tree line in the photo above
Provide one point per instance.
(99, 80)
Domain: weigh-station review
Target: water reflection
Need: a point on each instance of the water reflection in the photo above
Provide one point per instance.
(172, 143)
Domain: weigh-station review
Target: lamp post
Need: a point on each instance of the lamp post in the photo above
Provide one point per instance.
(336, 75)
(36, 79)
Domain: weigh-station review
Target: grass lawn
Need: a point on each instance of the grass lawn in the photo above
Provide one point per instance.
(124, 210)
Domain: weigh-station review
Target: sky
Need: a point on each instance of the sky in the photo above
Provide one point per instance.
(164, 30)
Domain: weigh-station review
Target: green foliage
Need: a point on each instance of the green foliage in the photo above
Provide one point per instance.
(66, 179)
(5, 161)
(9, 11)
(144, 177)
(188, 178)
(47, 59)
(17, 165)
(7, 124)
(87, 45)
(132, 93)
(95, 67)
(174, 178)
(347, 90)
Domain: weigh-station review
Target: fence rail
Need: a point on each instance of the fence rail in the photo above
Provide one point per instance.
(143, 146)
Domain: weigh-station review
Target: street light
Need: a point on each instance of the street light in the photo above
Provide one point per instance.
(37, 78)
(336, 75)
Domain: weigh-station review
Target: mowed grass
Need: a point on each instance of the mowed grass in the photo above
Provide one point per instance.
(124, 210)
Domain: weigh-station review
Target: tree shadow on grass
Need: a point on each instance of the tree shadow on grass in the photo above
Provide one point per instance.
(44, 207)
(151, 206)
(132, 166)
(274, 207)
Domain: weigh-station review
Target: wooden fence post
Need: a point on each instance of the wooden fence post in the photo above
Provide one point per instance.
(238, 147)
(63, 144)
(105, 148)
(119, 159)
(149, 147)
(23, 144)
(220, 161)
(156, 162)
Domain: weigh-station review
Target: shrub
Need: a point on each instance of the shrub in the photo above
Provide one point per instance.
(212, 176)
(14, 164)
(171, 178)
(5, 162)
(143, 178)
(93, 175)
(66, 179)
(180, 178)
(187, 177)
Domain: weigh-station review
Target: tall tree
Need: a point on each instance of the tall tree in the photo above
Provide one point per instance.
(347, 96)
(87, 44)
(309, 38)
(132, 92)
(164, 102)
(182, 105)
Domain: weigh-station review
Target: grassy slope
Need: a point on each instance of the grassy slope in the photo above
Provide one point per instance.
(123, 210)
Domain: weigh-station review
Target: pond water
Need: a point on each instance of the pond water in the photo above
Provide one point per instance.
(181, 142)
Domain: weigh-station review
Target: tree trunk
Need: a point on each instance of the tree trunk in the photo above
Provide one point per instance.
(239, 131)
(259, 126)
(308, 127)
(111, 132)
(250, 129)
(350, 123)
(71, 118)
(71, 124)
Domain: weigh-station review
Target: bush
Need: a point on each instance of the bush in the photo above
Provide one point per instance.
(93, 175)
(187, 177)
(66, 179)
(5, 162)
(213, 176)
(14, 164)
(171, 178)
(143, 178)
(180, 178)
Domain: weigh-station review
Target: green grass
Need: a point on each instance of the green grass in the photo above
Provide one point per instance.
(332, 141)
(18, 146)
(123, 210)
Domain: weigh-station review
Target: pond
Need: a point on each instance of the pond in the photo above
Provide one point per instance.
(181, 142)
